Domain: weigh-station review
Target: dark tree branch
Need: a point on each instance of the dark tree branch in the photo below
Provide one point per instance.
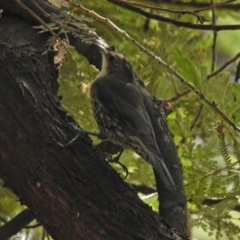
(206, 201)
(16, 224)
(224, 66)
(200, 18)
(195, 4)
(175, 22)
(211, 202)
(179, 95)
(237, 75)
(174, 10)
(33, 226)
(197, 117)
(214, 38)
(143, 189)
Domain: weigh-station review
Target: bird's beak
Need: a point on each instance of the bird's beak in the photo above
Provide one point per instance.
(104, 68)
(102, 49)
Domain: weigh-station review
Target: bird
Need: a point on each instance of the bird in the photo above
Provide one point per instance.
(118, 106)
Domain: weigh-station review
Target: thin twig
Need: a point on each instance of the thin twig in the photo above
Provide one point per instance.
(53, 20)
(34, 226)
(211, 174)
(176, 11)
(179, 95)
(170, 69)
(200, 18)
(198, 115)
(214, 38)
(214, 50)
(237, 75)
(177, 23)
(174, 86)
(198, 4)
(200, 109)
(37, 18)
(225, 65)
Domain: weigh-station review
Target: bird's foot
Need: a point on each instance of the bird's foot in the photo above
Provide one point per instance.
(116, 160)
(79, 132)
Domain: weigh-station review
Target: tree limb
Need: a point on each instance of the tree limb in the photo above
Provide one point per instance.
(177, 23)
(16, 224)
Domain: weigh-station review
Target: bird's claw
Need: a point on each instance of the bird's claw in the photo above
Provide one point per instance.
(73, 140)
(116, 160)
(79, 130)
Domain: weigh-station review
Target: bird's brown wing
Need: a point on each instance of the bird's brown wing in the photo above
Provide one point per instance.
(124, 101)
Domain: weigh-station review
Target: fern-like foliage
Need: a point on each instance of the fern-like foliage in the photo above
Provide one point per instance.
(218, 90)
(214, 177)
(64, 23)
(211, 165)
(223, 149)
(186, 67)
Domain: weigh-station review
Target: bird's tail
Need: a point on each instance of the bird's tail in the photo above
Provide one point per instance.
(163, 173)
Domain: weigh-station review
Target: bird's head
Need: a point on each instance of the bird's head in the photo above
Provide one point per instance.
(115, 63)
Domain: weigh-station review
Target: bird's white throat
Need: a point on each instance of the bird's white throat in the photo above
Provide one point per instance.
(104, 69)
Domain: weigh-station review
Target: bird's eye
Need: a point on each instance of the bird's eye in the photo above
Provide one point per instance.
(111, 58)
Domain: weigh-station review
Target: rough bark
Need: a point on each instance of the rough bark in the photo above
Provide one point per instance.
(82, 195)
